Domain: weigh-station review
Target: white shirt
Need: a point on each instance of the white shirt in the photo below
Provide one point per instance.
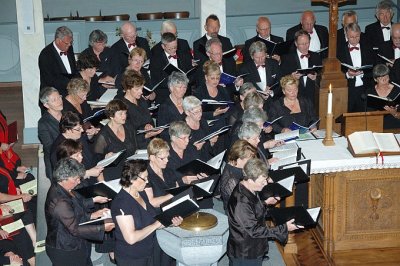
(303, 64)
(172, 60)
(315, 43)
(64, 59)
(268, 39)
(356, 59)
(386, 32)
(396, 53)
(263, 77)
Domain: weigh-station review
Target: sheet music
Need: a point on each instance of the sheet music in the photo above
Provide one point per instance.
(314, 212)
(216, 161)
(287, 183)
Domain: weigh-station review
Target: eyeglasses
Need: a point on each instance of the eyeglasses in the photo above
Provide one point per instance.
(144, 179)
(68, 43)
(163, 158)
(185, 138)
(79, 129)
(139, 61)
(196, 112)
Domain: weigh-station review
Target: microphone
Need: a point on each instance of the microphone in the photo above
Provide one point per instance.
(364, 99)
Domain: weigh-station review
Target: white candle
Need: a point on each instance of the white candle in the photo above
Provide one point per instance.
(330, 99)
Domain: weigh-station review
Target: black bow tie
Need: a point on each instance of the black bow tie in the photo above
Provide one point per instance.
(131, 45)
(305, 55)
(388, 28)
(63, 53)
(258, 66)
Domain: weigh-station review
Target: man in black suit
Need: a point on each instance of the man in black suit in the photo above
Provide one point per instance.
(214, 52)
(263, 29)
(391, 49)
(212, 28)
(169, 54)
(395, 72)
(359, 53)
(263, 72)
(318, 34)
(379, 31)
(348, 17)
(300, 59)
(120, 50)
(57, 61)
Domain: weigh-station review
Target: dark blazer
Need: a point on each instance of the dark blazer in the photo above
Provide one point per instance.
(386, 49)
(158, 61)
(322, 33)
(104, 59)
(63, 214)
(340, 41)
(272, 72)
(367, 58)
(249, 42)
(374, 34)
(291, 62)
(52, 69)
(306, 117)
(199, 53)
(48, 131)
(120, 53)
(248, 233)
(395, 72)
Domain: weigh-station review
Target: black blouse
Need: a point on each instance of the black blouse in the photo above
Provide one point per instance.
(230, 177)
(159, 185)
(306, 116)
(207, 151)
(222, 95)
(86, 110)
(167, 113)
(106, 141)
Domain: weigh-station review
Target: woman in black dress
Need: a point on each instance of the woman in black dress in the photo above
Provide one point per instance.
(87, 66)
(133, 215)
(161, 178)
(115, 137)
(138, 116)
(383, 88)
(291, 107)
(171, 109)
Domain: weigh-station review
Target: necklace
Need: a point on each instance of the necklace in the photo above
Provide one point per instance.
(136, 196)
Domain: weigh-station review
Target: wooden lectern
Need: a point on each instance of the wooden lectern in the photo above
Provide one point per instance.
(362, 121)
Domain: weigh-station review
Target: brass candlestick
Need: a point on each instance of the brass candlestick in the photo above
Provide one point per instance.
(328, 140)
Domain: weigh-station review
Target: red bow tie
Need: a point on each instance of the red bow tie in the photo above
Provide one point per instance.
(388, 28)
(63, 53)
(395, 47)
(305, 55)
(173, 56)
(258, 66)
(131, 45)
(353, 48)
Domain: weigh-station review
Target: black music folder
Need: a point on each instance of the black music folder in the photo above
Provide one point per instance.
(299, 175)
(201, 188)
(171, 68)
(183, 204)
(310, 70)
(147, 91)
(197, 166)
(377, 102)
(281, 189)
(304, 217)
(208, 105)
(107, 189)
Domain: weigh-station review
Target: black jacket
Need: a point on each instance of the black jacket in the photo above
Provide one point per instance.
(200, 45)
(374, 34)
(249, 42)
(63, 214)
(52, 69)
(248, 233)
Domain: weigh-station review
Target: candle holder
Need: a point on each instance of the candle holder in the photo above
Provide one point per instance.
(328, 140)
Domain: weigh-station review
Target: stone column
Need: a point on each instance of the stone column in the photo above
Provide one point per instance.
(31, 42)
(217, 7)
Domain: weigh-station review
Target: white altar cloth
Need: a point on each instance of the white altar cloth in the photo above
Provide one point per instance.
(327, 159)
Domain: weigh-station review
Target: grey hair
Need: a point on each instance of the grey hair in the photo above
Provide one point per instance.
(66, 168)
(167, 25)
(353, 27)
(248, 130)
(380, 70)
(252, 99)
(97, 36)
(63, 31)
(384, 5)
(257, 47)
(45, 93)
(254, 114)
(246, 87)
(178, 128)
(212, 41)
(167, 37)
(190, 102)
(255, 168)
(349, 13)
(177, 78)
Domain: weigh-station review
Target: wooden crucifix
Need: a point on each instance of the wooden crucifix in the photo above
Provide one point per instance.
(332, 73)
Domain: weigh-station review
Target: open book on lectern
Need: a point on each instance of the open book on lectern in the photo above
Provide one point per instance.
(302, 216)
(201, 188)
(281, 189)
(183, 204)
(367, 143)
(197, 166)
